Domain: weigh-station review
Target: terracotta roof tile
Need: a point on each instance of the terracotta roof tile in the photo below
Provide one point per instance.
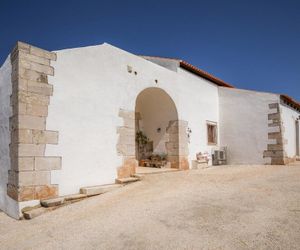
(204, 74)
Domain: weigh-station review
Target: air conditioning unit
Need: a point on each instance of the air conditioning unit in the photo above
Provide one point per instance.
(219, 156)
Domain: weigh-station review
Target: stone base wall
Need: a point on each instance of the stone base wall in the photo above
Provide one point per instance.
(177, 146)
(126, 144)
(275, 152)
(30, 174)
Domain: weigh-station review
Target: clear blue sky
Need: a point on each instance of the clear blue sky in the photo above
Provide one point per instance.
(251, 44)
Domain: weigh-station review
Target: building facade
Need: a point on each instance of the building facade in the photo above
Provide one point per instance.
(69, 119)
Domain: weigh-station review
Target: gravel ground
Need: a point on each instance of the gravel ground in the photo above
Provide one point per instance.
(237, 207)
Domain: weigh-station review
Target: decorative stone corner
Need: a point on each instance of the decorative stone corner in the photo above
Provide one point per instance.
(275, 153)
(30, 174)
(126, 144)
(177, 146)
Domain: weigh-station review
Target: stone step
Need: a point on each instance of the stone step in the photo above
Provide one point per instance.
(127, 180)
(139, 176)
(53, 202)
(95, 190)
(298, 158)
(74, 197)
(35, 212)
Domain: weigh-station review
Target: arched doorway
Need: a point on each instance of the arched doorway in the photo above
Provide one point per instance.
(157, 129)
(154, 121)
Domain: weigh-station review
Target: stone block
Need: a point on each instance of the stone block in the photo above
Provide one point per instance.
(126, 139)
(126, 114)
(45, 69)
(53, 202)
(125, 171)
(127, 180)
(267, 160)
(183, 163)
(172, 146)
(32, 75)
(74, 197)
(21, 109)
(31, 150)
(275, 135)
(275, 147)
(32, 122)
(40, 88)
(274, 129)
(33, 213)
(13, 177)
(277, 161)
(25, 163)
(36, 110)
(173, 152)
(45, 137)
(25, 136)
(33, 98)
(126, 131)
(34, 178)
(274, 124)
(46, 192)
(274, 116)
(274, 153)
(42, 53)
(33, 58)
(21, 193)
(96, 190)
(129, 123)
(47, 163)
(19, 84)
(20, 46)
(126, 149)
(172, 130)
(273, 106)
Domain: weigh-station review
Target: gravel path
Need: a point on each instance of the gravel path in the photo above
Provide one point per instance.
(240, 207)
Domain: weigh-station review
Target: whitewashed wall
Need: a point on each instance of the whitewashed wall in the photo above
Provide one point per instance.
(91, 84)
(289, 117)
(7, 204)
(5, 113)
(244, 124)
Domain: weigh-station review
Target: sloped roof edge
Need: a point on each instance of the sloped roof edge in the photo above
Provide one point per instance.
(204, 74)
(290, 101)
(195, 70)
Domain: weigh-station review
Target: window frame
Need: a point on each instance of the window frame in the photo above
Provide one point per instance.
(215, 136)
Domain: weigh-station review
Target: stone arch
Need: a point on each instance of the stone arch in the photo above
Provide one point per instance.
(157, 113)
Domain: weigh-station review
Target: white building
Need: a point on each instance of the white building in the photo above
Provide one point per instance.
(69, 118)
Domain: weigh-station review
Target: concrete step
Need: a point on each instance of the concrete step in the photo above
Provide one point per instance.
(127, 180)
(53, 202)
(35, 212)
(95, 190)
(74, 197)
(298, 158)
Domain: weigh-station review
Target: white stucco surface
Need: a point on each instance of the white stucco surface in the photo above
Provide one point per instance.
(7, 204)
(244, 124)
(289, 117)
(91, 84)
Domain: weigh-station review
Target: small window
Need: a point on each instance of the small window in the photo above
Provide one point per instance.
(212, 133)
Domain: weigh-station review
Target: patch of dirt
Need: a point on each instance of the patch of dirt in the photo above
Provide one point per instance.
(231, 207)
